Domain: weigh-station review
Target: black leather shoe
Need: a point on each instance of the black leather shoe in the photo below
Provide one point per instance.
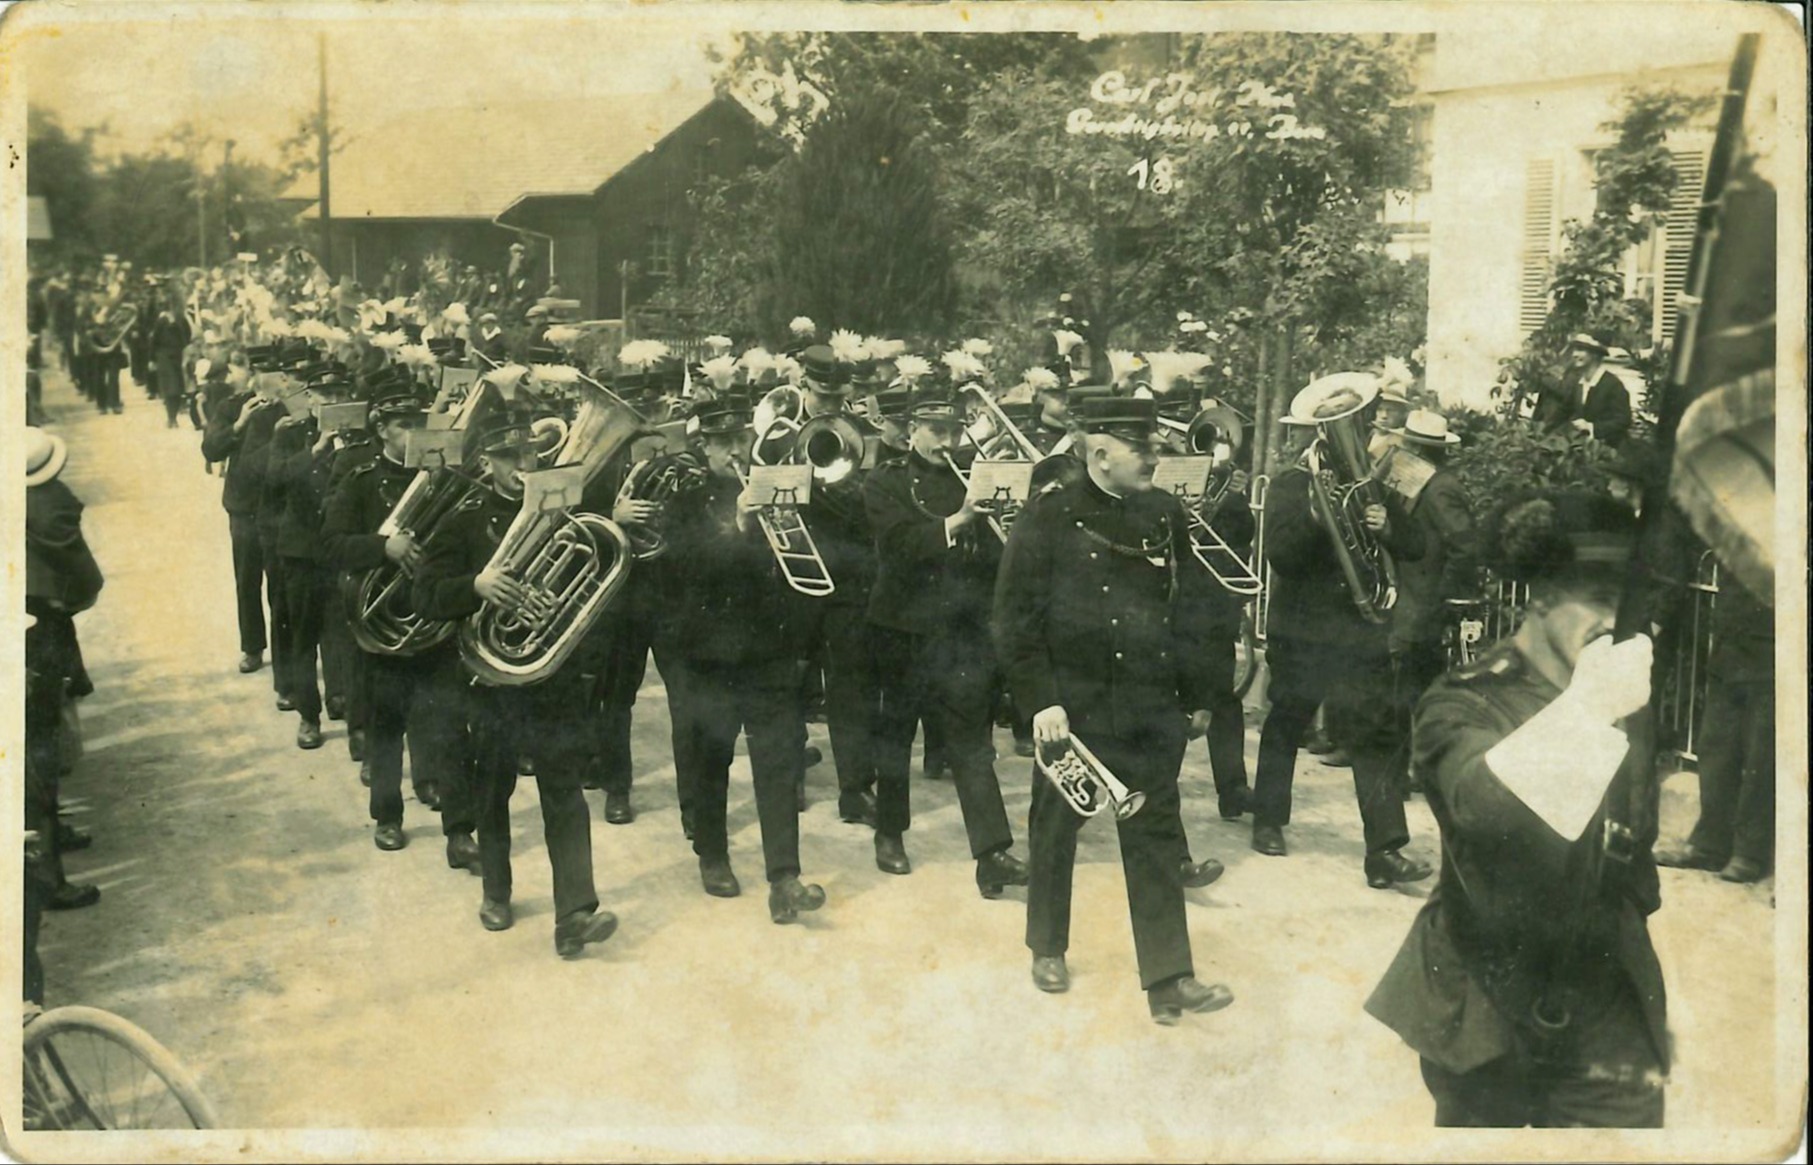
(813, 755)
(73, 896)
(1318, 744)
(997, 871)
(1339, 758)
(355, 744)
(789, 896)
(285, 704)
(496, 915)
(1236, 803)
(719, 880)
(70, 839)
(1168, 1003)
(429, 794)
(891, 855)
(617, 808)
(1386, 869)
(1050, 975)
(365, 773)
(389, 836)
(575, 932)
(1025, 748)
(936, 768)
(525, 766)
(686, 825)
(1687, 857)
(1742, 870)
(1196, 875)
(858, 808)
(336, 708)
(1269, 840)
(462, 852)
(308, 736)
(250, 662)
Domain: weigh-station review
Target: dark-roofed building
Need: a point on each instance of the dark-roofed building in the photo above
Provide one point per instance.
(619, 229)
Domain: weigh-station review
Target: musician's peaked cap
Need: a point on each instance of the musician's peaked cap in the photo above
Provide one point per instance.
(824, 369)
(933, 402)
(1126, 417)
(397, 405)
(1331, 397)
(507, 436)
(729, 413)
(894, 403)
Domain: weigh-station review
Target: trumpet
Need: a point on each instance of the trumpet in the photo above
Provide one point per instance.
(795, 552)
(1086, 784)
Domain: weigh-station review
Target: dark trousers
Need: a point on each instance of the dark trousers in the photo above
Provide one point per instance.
(1737, 771)
(1355, 685)
(280, 615)
(1613, 1079)
(620, 671)
(339, 652)
(676, 676)
(946, 680)
(305, 585)
(107, 383)
(547, 720)
(50, 657)
(1413, 668)
(421, 697)
(248, 581)
(759, 699)
(1152, 848)
(1227, 719)
(838, 636)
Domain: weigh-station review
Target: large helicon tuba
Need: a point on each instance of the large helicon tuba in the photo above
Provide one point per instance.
(383, 616)
(573, 563)
(1086, 784)
(1342, 485)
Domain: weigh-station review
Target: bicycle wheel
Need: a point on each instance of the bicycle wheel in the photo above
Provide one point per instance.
(1246, 654)
(90, 1069)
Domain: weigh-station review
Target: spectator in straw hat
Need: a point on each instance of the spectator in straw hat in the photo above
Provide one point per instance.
(1589, 399)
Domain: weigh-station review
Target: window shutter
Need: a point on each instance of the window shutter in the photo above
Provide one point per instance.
(1683, 216)
(1538, 244)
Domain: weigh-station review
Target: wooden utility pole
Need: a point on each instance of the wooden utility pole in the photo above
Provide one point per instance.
(324, 208)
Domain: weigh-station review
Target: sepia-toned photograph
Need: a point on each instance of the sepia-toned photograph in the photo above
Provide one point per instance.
(654, 580)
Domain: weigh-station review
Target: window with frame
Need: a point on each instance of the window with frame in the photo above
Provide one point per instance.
(662, 259)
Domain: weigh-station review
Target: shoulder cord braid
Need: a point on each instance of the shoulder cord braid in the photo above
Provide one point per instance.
(1163, 545)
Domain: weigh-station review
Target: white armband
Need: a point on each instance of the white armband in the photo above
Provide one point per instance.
(1559, 762)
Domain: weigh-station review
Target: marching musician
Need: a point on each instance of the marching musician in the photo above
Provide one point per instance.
(731, 630)
(929, 611)
(237, 434)
(1528, 984)
(1087, 618)
(1321, 649)
(416, 696)
(453, 579)
(834, 628)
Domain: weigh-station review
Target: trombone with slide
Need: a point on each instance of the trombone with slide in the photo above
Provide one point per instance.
(1215, 432)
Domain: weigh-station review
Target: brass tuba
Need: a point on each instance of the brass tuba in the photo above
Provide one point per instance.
(660, 479)
(1341, 486)
(1086, 784)
(111, 325)
(573, 563)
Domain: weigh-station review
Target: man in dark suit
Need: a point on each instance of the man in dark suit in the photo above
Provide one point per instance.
(1321, 650)
(237, 433)
(929, 618)
(741, 676)
(1527, 984)
(1086, 618)
(1437, 505)
(1589, 399)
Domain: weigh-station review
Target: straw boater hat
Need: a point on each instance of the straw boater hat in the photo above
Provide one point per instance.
(1330, 397)
(45, 455)
(1427, 427)
(1582, 340)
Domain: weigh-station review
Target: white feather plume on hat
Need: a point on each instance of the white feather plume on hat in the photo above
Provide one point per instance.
(1123, 364)
(1395, 373)
(880, 349)
(505, 374)
(387, 341)
(1170, 367)
(963, 366)
(415, 356)
(1068, 341)
(847, 346)
(789, 369)
(909, 368)
(802, 326)
(1040, 379)
(716, 342)
(978, 347)
(554, 373)
(720, 370)
(456, 313)
(641, 353)
(563, 335)
(756, 361)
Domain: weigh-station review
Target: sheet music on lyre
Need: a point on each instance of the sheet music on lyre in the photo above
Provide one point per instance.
(1186, 477)
(781, 485)
(1001, 482)
(434, 448)
(560, 488)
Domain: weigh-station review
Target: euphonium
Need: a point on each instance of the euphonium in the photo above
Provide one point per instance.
(114, 322)
(660, 479)
(1086, 784)
(574, 564)
(1341, 486)
(383, 617)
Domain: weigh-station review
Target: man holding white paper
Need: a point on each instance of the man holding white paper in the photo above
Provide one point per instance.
(1528, 984)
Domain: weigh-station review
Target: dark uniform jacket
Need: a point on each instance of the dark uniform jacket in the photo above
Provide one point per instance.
(60, 572)
(1310, 602)
(356, 507)
(1606, 406)
(1084, 619)
(924, 584)
(731, 605)
(305, 479)
(244, 452)
(1214, 607)
(1446, 568)
(840, 527)
(1508, 901)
